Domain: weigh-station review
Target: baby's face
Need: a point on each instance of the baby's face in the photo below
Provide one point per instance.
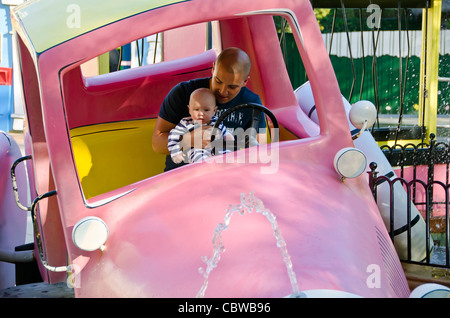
(202, 112)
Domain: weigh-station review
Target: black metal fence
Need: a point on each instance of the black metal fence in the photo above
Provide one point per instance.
(427, 187)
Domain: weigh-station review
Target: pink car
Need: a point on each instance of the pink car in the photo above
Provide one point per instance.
(113, 224)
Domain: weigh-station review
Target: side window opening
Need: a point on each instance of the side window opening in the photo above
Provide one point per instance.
(112, 107)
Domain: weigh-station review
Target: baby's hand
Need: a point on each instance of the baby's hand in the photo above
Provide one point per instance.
(179, 157)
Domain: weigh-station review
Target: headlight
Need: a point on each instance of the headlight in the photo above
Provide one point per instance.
(90, 234)
(350, 162)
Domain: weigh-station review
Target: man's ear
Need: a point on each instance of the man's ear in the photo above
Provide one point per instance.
(246, 81)
(213, 67)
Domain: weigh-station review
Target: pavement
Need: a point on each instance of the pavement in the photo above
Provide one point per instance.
(409, 120)
(442, 123)
(38, 290)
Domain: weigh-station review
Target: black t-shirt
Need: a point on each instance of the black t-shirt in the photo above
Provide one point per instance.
(174, 108)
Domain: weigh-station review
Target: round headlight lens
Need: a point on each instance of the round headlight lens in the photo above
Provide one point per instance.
(350, 162)
(90, 234)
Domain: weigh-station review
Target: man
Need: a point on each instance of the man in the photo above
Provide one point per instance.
(230, 75)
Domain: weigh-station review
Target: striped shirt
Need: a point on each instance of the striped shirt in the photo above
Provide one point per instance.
(184, 126)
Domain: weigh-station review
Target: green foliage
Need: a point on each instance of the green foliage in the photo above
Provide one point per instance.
(321, 14)
(357, 19)
(380, 83)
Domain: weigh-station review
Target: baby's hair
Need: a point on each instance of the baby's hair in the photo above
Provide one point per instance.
(204, 92)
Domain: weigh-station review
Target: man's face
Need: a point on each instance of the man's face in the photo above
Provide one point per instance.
(226, 85)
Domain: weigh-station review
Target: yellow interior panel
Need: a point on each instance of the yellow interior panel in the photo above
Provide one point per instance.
(111, 155)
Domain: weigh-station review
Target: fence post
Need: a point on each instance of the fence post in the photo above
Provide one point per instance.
(431, 170)
(372, 176)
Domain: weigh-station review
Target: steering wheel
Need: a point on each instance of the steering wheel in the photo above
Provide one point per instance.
(256, 115)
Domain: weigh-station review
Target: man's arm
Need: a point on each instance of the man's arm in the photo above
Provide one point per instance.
(161, 135)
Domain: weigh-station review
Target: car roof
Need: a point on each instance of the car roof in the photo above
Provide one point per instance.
(52, 22)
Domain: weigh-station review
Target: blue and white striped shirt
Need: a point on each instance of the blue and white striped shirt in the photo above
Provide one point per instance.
(186, 125)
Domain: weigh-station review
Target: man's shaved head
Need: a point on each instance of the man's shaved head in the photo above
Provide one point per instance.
(234, 60)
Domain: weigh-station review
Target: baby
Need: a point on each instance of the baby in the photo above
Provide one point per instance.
(202, 109)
